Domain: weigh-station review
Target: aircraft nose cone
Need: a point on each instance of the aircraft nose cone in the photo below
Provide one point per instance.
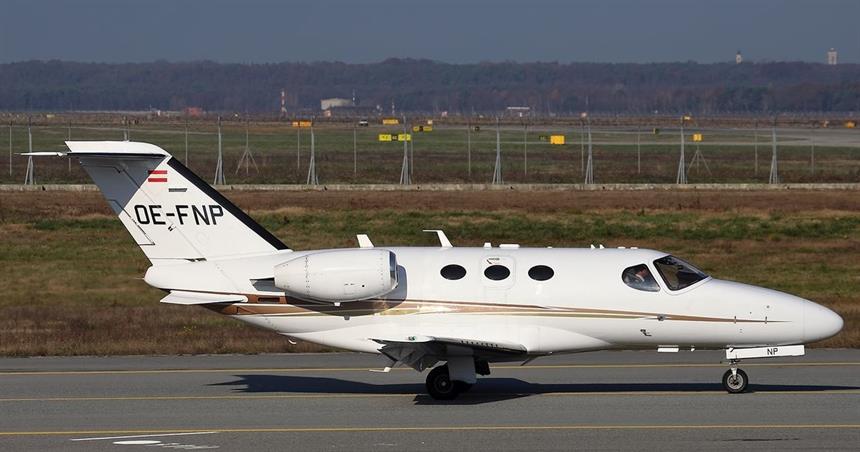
(819, 322)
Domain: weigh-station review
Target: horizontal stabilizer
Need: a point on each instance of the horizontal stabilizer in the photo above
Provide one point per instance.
(44, 154)
(193, 298)
(115, 149)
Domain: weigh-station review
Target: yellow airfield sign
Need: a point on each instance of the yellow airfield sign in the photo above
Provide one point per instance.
(697, 137)
(303, 124)
(422, 128)
(556, 139)
(390, 121)
(395, 137)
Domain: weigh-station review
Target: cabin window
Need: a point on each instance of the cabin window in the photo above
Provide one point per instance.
(678, 274)
(639, 277)
(541, 273)
(497, 272)
(453, 272)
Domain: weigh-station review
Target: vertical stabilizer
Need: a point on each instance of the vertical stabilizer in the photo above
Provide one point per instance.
(169, 211)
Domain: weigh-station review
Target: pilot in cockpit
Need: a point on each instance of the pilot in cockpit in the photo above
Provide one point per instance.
(639, 277)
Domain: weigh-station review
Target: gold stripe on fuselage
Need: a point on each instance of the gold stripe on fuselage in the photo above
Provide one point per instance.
(295, 308)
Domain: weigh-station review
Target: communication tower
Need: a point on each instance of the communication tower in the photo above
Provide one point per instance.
(30, 177)
(589, 164)
(313, 178)
(219, 166)
(774, 172)
(497, 171)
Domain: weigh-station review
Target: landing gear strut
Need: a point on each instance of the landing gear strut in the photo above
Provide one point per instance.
(735, 380)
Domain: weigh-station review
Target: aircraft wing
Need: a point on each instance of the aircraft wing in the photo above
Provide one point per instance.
(192, 298)
(421, 352)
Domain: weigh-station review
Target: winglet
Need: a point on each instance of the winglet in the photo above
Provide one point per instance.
(443, 239)
(364, 241)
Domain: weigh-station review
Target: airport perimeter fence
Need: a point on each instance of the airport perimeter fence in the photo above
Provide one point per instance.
(419, 152)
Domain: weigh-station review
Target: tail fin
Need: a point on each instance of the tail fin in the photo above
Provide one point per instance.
(168, 210)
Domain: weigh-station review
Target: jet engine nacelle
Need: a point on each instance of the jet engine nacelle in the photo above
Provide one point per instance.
(339, 276)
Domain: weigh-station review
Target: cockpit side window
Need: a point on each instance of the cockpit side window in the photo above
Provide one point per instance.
(678, 274)
(640, 278)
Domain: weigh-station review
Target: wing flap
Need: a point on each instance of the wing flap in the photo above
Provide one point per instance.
(420, 352)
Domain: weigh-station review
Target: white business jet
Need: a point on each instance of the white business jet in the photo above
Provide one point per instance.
(449, 309)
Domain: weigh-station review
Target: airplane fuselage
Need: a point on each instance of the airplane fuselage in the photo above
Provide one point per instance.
(584, 305)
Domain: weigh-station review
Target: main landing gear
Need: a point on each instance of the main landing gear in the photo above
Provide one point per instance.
(441, 385)
(735, 380)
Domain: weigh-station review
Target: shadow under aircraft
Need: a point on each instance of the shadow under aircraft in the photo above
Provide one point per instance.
(491, 390)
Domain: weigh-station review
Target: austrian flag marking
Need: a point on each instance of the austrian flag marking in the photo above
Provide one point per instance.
(157, 176)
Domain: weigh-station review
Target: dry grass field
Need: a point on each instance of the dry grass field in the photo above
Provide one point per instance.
(71, 277)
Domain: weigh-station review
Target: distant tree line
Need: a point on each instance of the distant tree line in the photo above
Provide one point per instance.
(429, 86)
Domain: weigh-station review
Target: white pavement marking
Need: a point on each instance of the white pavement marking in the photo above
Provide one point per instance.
(143, 436)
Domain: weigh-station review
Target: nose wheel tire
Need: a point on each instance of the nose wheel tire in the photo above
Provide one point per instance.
(440, 386)
(735, 383)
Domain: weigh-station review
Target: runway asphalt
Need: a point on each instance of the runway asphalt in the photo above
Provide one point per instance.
(604, 400)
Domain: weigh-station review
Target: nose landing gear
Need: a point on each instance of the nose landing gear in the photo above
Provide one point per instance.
(735, 380)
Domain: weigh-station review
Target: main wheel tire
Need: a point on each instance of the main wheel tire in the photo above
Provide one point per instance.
(735, 383)
(439, 384)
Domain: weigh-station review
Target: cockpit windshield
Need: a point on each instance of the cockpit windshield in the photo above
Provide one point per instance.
(639, 278)
(678, 274)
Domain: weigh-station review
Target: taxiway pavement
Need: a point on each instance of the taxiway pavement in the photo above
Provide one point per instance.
(603, 400)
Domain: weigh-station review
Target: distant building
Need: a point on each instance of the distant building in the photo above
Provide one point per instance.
(194, 112)
(349, 111)
(832, 57)
(328, 104)
(739, 58)
(518, 111)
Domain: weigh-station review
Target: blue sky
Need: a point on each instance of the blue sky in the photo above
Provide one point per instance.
(361, 31)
